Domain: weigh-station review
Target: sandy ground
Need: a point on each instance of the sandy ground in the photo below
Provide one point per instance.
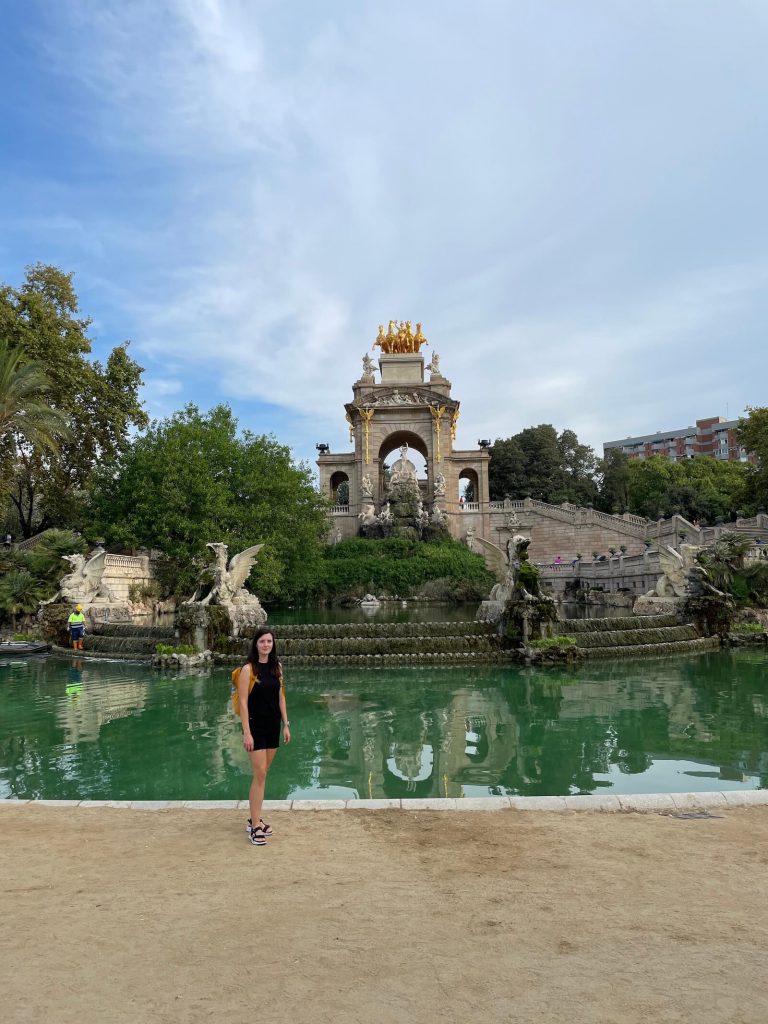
(118, 915)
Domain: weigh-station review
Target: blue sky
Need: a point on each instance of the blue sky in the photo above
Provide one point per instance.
(569, 196)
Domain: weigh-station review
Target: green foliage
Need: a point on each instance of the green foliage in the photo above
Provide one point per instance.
(528, 577)
(28, 577)
(702, 488)
(752, 433)
(191, 479)
(45, 559)
(613, 480)
(724, 559)
(100, 402)
(541, 464)
(177, 649)
(144, 593)
(748, 628)
(20, 593)
(26, 416)
(549, 642)
(728, 570)
(398, 565)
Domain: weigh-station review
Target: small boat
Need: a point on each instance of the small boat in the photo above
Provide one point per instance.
(24, 647)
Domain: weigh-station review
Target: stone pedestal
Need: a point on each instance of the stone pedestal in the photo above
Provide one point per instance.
(402, 369)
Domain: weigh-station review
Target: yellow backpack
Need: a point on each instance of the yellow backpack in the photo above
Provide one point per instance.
(234, 696)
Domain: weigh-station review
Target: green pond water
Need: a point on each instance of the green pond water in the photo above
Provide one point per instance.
(110, 730)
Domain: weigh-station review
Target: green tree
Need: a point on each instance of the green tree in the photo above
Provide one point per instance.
(41, 319)
(191, 479)
(24, 411)
(702, 488)
(541, 464)
(20, 593)
(752, 433)
(579, 466)
(506, 471)
(613, 482)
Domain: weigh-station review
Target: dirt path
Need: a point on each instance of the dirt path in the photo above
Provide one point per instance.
(171, 916)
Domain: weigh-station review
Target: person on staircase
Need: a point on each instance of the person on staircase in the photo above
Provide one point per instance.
(76, 627)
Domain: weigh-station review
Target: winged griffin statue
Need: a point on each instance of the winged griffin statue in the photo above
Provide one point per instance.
(228, 589)
(503, 564)
(228, 580)
(682, 574)
(83, 584)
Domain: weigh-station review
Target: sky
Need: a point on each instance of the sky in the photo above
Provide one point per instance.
(570, 197)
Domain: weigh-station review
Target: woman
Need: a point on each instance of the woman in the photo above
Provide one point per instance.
(262, 712)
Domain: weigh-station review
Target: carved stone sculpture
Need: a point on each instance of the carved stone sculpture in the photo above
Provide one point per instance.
(682, 578)
(675, 567)
(439, 486)
(504, 566)
(402, 469)
(229, 591)
(84, 583)
(368, 368)
(434, 365)
(437, 517)
(368, 515)
(385, 516)
(366, 488)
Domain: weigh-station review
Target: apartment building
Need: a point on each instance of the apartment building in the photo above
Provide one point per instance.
(714, 437)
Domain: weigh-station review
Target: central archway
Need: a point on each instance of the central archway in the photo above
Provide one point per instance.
(418, 454)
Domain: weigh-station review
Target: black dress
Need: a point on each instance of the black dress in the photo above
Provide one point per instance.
(264, 709)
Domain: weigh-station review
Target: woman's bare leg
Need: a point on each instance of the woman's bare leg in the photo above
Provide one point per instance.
(256, 795)
(270, 752)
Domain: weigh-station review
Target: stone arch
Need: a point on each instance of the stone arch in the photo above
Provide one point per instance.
(392, 442)
(469, 478)
(337, 479)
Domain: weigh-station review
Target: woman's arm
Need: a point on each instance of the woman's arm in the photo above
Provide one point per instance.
(243, 683)
(284, 713)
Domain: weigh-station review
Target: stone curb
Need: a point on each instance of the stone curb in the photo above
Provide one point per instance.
(627, 802)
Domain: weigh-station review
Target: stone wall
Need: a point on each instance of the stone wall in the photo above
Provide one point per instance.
(567, 530)
(123, 571)
(634, 573)
(554, 529)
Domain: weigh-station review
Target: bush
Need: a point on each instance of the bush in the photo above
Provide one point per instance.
(177, 649)
(400, 565)
(144, 593)
(553, 642)
(748, 628)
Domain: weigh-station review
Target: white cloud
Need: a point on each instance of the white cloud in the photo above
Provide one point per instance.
(549, 194)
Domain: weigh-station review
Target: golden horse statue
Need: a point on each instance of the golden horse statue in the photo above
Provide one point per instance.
(399, 338)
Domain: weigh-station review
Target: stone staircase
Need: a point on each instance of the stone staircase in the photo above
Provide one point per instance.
(372, 644)
(635, 636)
(124, 640)
(382, 643)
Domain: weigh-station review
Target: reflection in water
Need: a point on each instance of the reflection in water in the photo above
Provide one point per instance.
(387, 611)
(77, 729)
